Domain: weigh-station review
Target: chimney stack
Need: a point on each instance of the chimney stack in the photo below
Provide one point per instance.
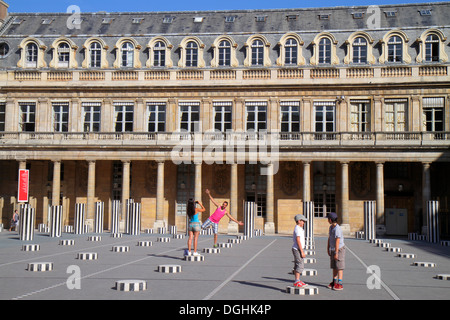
(3, 11)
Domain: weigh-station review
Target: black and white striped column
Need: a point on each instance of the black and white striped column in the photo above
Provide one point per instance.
(134, 219)
(56, 221)
(433, 221)
(129, 206)
(308, 212)
(26, 223)
(115, 216)
(369, 219)
(250, 209)
(99, 216)
(80, 211)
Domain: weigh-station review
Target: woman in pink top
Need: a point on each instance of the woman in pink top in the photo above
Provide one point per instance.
(214, 219)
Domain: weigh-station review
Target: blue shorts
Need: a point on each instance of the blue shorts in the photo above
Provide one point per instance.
(208, 223)
(194, 226)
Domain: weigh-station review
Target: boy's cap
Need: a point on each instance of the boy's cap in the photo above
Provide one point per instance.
(332, 215)
(300, 217)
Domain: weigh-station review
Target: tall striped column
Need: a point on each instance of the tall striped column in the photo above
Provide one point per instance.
(134, 219)
(369, 219)
(250, 209)
(308, 212)
(99, 217)
(433, 221)
(115, 216)
(80, 212)
(26, 223)
(56, 221)
(129, 208)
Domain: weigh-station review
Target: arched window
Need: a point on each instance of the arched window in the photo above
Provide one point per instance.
(63, 55)
(159, 54)
(31, 55)
(325, 51)
(191, 54)
(395, 49)
(224, 53)
(291, 52)
(95, 55)
(257, 53)
(360, 50)
(127, 54)
(432, 48)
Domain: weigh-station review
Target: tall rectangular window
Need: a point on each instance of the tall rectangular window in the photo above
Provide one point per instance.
(223, 115)
(2, 116)
(124, 115)
(325, 113)
(91, 116)
(27, 116)
(360, 115)
(396, 114)
(256, 115)
(156, 116)
(433, 114)
(189, 116)
(61, 117)
(290, 116)
(291, 52)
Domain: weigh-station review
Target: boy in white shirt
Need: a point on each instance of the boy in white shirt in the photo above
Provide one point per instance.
(297, 249)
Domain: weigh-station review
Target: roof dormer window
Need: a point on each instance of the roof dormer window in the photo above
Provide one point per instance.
(107, 20)
(198, 19)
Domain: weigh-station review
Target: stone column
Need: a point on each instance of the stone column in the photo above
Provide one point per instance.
(233, 228)
(90, 205)
(198, 181)
(56, 191)
(159, 223)
(269, 226)
(426, 190)
(125, 188)
(344, 193)
(306, 181)
(380, 193)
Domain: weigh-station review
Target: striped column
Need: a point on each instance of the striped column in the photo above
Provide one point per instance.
(56, 221)
(134, 219)
(433, 221)
(26, 225)
(80, 212)
(308, 212)
(129, 205)
(115, 216)
(369, 219)
(99, 217)
(250, 209)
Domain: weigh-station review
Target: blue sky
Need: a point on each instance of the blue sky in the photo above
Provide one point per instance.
(183, 5)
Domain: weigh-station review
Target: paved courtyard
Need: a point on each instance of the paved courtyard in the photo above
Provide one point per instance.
(255, 269)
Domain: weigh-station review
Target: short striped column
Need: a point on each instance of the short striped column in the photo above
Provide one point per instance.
(308, 212)
(131, 285)
(80, 211)
(433, 221)
(134, 219)
(99, 217)
(369, 219)
(172, 229)
(56, 221)
(115, 216)
(250, 209)
(26, 224)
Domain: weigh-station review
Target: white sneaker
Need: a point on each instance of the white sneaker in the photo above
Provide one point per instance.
(196, 254)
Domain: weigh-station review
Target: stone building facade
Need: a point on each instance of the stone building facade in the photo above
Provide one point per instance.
(332, 105)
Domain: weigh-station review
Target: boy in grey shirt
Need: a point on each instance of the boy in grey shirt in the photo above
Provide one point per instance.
(336, 251)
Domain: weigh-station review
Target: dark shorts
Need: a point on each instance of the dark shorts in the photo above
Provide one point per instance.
(340, 263)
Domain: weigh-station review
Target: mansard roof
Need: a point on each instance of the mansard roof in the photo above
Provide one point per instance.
(214, 22)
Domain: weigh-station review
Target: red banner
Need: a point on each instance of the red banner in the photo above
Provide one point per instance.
(24, 176)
